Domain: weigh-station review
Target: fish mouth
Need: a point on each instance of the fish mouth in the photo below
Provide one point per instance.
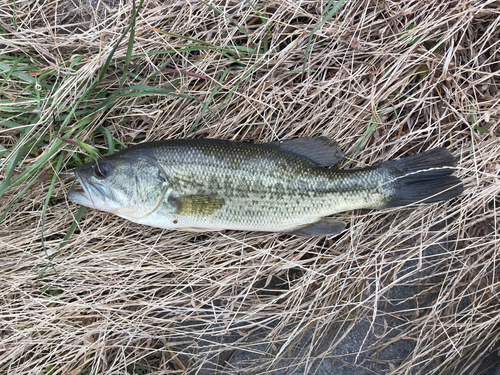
(86, 193)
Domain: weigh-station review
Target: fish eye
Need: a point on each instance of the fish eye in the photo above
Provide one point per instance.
(101, 170)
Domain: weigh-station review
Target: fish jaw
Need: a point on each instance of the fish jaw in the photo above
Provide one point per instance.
(96, 196)
(87, 194)
(79, 196)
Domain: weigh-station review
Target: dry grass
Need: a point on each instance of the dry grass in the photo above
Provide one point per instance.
(385, 78)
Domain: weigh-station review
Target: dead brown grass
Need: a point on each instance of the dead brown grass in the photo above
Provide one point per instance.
(123, 298)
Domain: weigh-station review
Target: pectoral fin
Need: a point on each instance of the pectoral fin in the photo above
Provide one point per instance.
(196, 205)
(322, 150)
(327, 226)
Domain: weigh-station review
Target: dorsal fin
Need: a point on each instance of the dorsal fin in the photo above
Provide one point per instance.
(322, 150)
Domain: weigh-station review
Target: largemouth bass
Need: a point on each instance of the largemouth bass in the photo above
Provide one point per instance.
(212, 185)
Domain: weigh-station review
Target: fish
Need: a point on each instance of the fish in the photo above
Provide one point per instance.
(284, 186)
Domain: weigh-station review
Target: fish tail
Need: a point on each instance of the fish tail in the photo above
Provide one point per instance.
(422, 178)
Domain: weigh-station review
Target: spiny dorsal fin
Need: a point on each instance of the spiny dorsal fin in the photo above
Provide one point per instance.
(327, 226)
(322, 150)
(196, 205)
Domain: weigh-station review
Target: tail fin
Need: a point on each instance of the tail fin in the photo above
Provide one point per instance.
(422, 178)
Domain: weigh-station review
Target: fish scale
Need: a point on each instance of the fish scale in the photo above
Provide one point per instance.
(256, 203)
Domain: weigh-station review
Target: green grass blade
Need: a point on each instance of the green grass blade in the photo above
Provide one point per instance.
(6, 68)
(214, 46)
(130, 46)
(372, 125)
(71, 230)
(9, 171)
(109, 137)
(152, 89)
(49, 194)
(51, 189)
(88, 149)
(14, 125)
(262, 18)
(223, 51)
(115, 47)
(18, 196)
(7, 184)
(142, 90)
(73, 226)
(14, 16)
(320, 24)
(205, 107)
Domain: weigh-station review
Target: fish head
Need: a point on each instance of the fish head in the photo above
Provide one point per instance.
(105, 184)
(127, 186)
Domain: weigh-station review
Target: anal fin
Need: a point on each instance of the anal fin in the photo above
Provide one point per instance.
(327, 226)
